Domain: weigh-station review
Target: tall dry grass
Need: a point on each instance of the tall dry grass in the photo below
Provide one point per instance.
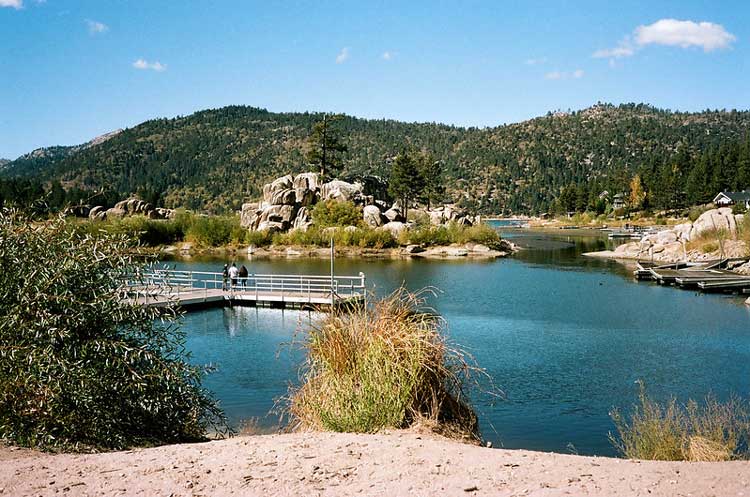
(387, 365)
(712, 431)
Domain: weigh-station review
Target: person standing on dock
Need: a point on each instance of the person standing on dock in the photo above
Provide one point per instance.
(225, 277)
(233, 272)
(243, 276)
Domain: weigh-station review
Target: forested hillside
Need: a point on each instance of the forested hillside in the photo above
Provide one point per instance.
(215, 159)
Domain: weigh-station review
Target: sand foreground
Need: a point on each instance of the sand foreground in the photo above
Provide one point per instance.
(393, 465)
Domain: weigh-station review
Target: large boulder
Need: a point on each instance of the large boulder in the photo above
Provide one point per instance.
(306, 181)
(95, 211)
(283, 197)
(276, 186)
(271, 226)
(304, 196)
(302, 219)
(394, 214)
(341, 190)
(372, 216)
(279, 214)
(115, 213)
(719, 219)
(394, 227)
(249, 215)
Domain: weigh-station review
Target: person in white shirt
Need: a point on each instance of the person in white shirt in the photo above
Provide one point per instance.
(233, 272)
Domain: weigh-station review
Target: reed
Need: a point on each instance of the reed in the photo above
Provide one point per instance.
(712, 431)
(384, 366)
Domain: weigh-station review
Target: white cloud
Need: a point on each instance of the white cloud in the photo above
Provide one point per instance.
(154, 66)
(16, 4)
(558, 75)
(388, 55)
(684, 34)
(536, 62)
(343, 56)
(96, 27)
(622, 50)
(670, 32)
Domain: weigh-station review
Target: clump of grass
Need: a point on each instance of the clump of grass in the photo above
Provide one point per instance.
(713, 431)
(384, 366)
(708, 241)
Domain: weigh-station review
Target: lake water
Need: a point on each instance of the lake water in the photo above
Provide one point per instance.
(565, 337)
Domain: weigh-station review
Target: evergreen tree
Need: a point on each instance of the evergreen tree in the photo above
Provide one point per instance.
(432, 176)
(326, 148)
(406, 182)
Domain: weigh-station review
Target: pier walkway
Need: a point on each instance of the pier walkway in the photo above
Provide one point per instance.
(198, 289)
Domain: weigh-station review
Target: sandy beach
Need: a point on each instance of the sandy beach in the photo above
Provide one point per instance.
(392, 464)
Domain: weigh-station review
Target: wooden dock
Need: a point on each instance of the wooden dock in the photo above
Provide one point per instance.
(709, 276)
(197, 289)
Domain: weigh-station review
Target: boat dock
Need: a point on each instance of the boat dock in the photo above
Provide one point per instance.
(199, 289)
(709, 276)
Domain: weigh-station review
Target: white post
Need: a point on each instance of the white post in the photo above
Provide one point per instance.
(333, 297)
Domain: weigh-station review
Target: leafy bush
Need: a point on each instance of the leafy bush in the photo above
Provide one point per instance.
(215, 231)
(80, 367)
(332, 213)
(258, 238)
(149, 232)
(713, 431)
(739, 208)
(452, 233)
(383, 366)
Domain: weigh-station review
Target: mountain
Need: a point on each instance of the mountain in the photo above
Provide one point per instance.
(41, 159)
(216, 159)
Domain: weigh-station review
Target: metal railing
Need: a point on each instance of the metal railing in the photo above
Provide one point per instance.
(177, 284)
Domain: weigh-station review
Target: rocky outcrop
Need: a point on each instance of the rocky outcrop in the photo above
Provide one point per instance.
(373, 217)
(127, 207)
(669, 245)
(287, 202)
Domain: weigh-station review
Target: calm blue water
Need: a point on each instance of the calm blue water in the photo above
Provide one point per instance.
(565, 337)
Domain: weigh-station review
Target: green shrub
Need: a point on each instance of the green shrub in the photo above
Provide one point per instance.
(80, 367)
(739, 208)
(452, 233)
(258, 238)
(713, 431)
(387, 365)
(215, 231)
(333, 213)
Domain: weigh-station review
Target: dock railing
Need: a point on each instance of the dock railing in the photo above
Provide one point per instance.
(178, 283)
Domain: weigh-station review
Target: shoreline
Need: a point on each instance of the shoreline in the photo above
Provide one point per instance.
(443, 252)
(342, 464)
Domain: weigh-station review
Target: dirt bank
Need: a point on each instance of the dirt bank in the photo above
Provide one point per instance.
(394, 464)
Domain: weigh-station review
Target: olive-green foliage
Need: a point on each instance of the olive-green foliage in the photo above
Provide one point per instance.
(81, 368)
(452, 233)
(336, 213)
(713, 431)
(362, 237)
(149, 232)
(388, 365)
(215, 231)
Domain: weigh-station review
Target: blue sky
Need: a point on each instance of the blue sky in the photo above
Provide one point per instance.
(71, 70)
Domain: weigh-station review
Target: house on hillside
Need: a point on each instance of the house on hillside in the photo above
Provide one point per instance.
(727, 199)
(618, 201)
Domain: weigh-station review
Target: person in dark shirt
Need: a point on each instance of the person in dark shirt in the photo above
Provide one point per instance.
(243, 276)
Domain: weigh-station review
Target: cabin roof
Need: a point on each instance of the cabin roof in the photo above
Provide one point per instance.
(742, 196)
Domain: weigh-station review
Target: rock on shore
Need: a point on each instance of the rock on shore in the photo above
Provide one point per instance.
(669, 245)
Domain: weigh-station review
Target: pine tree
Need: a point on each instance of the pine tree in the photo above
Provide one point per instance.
(406, 182)
(432, 176)
(326, 148)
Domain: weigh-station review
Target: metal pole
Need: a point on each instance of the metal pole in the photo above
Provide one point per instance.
(333, 298)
